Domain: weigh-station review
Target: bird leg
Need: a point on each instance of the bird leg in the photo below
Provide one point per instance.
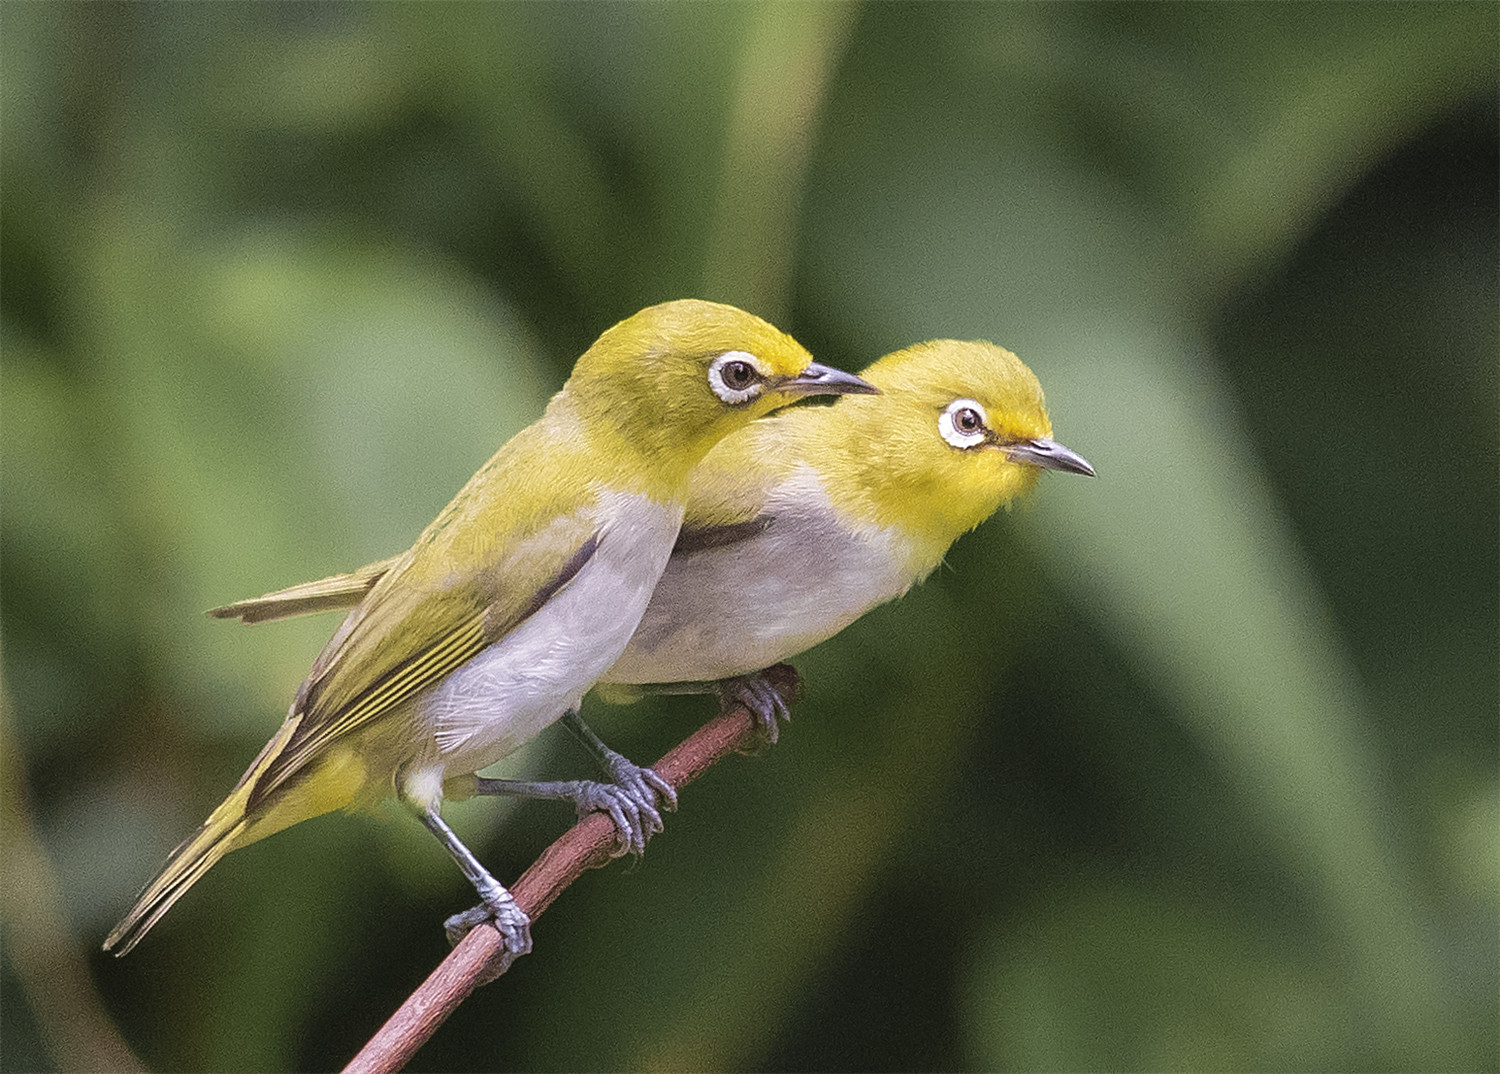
(497, 904)
(630, 798)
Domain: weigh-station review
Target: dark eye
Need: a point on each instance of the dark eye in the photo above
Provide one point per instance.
(963, 424)
(738, 375)
(967, 421)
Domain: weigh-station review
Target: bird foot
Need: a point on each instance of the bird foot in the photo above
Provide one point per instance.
(631, 800)
(513, 924)
(767, 694)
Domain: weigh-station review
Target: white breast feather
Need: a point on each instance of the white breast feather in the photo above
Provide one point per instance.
(742, 607)
(497, 701)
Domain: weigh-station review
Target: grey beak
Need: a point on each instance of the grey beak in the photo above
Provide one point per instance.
(1049, 455)
(819, 379)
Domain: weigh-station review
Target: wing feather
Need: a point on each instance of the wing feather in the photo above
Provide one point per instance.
(403, 682)
(490, 560)
(699, 538)
(358, 680)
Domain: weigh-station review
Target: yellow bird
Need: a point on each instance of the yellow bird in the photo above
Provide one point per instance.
(800, 523)
(508, 607)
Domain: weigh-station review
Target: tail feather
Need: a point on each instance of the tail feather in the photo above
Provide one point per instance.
(194, 857)
(248, 814)
(336, 592)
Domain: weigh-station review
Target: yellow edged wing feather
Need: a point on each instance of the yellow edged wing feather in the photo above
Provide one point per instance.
(406, 638)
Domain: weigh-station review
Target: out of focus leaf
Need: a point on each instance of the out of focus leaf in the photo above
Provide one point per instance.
(1113, 978)
(277, 278)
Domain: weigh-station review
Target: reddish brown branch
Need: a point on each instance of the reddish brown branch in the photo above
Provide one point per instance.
(586, 845)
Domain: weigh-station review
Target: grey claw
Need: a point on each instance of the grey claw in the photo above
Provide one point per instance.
(667, 792)
(764, 700)
(514, 926)
(630, 803)
(460, 925)
(509, 920)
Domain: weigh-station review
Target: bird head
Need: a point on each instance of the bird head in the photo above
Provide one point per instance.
(958, 429)
(676, 378)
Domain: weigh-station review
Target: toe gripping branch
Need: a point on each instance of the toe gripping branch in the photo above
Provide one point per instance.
(768, 695)
(587, 845)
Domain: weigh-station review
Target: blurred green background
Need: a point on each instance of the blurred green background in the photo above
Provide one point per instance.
(1190, 767)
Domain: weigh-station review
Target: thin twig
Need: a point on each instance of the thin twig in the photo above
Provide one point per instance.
(587, 845)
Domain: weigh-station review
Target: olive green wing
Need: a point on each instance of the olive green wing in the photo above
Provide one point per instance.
(336, 592)
(419, 623)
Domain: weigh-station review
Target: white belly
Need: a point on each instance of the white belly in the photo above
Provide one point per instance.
(742, 607)
(497, 701)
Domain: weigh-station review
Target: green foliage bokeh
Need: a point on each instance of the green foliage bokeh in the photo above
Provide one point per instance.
(1193, 766)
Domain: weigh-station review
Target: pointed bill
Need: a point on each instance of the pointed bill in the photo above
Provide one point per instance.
(1049, 455)
(819, 379)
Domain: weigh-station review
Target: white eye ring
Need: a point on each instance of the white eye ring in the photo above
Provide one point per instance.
(963, 423)
(736, 377)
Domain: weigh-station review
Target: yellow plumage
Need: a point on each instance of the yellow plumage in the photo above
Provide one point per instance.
(589, 496)
(800, 523)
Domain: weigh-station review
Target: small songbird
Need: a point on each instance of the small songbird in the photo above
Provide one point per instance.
(798, 525)
(523, 591)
